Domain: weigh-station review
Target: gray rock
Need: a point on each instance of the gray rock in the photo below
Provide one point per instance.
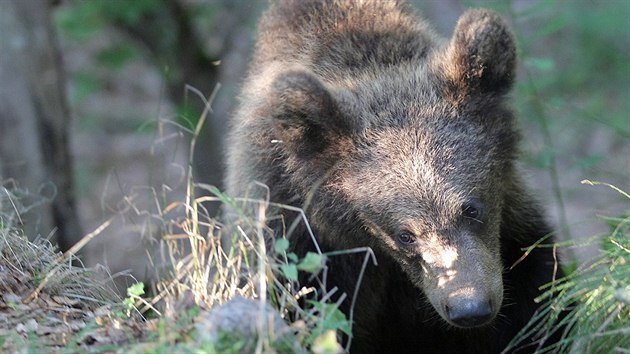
(240, 323)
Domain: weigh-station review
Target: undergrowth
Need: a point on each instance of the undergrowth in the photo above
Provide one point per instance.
(37, 264)
(590, 307)
(48, 300)
(210, 261)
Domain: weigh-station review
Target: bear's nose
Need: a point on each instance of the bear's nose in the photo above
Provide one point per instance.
(470, 312)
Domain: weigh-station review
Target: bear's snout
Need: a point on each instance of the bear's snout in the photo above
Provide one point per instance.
(469, 311)
(466, 291)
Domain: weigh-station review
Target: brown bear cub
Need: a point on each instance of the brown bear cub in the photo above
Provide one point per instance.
(394, 138)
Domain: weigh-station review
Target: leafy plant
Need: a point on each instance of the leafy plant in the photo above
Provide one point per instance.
(134, 293)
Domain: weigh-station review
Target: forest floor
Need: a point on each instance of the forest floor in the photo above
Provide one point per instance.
(49, 305)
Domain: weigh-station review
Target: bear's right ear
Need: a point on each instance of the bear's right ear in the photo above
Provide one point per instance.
(304, 112)
(481, 56)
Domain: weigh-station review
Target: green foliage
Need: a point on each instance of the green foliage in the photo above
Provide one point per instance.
(592, 45)
(169, 335)
(312, 263)
(326, 343)
(572, 83)
(130, 13)
(329, 318)
(290, 271)
(134, 292)
(187, 116)
(84, 19)
(543, 65)
(81, 21)
(86, 83)
(591, 307)
(228, 343)
(117, 56)
(234, 343)
(326, 319)
(281, 245)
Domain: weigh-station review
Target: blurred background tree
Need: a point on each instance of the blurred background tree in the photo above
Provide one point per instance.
(34, 121)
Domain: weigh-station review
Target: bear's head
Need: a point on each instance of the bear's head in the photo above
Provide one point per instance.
(417, 155)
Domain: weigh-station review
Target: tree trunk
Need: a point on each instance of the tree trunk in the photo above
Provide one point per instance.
(34, 117)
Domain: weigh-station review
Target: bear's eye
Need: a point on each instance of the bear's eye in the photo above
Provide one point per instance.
(472, 210)
(405, 238)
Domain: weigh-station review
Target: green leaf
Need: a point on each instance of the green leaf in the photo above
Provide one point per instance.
(331, 318)
(327, 343)
(281, 245)
(292, 257)
(187, 116)
(312, 263)
(224, 198)
(136, 289)
(290, 271)
(336, 320)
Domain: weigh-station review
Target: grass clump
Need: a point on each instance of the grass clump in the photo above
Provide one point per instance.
(590, 307)
(244, 279)
(46, 302)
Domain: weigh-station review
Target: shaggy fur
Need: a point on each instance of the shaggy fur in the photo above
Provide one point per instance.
(394, 138)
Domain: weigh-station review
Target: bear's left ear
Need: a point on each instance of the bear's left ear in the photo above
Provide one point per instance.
(304, 112)
(481, 54)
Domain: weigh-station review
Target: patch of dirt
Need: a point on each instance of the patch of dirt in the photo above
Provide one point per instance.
(51, 323)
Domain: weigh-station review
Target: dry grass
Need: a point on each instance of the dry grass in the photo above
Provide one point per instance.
(210, 263)
(46, 300)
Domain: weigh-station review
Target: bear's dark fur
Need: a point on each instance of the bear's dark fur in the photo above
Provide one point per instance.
(394, 138)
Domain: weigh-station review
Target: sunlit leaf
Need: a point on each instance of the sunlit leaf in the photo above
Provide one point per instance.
(312, 263)
(281, 245)
(290, 271)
